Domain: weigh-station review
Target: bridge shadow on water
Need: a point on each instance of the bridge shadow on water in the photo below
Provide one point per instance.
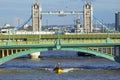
(66, 54)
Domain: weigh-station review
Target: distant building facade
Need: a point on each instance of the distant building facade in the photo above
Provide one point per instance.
(7, 29)
(117, 21)
(88, 17)
(36, 17)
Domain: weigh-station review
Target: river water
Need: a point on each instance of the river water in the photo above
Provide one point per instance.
(75, 68)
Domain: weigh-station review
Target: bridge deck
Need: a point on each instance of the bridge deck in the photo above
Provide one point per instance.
(35, 39)
(12, 46)
(55, 36)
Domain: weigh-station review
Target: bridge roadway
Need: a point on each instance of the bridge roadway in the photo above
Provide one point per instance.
(16, 45)
(34, 37)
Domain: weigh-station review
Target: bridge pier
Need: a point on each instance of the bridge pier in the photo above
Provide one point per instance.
(35, 55)
(16, 51)
(11, 51)
(3, 53)
(117, 50)
(7, 52)
(111, 50)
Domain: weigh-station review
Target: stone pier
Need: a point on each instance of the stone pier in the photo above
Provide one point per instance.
(116, 51)
(35, 55)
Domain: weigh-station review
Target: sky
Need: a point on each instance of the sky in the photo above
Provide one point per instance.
(16, 12)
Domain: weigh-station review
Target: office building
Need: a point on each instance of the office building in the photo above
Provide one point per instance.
(117, 21)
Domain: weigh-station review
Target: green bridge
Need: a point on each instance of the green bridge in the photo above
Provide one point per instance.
(106, 45)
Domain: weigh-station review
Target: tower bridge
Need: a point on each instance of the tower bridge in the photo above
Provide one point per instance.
(37, 13)
(106, 45)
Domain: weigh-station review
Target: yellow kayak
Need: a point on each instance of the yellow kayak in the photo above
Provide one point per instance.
(59, 71)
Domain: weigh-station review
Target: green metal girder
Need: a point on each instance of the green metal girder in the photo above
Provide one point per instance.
(104, 55)
(34, 46)
(91, 45)
(48, 36)
(58, 45)
(107, 56)
(19, 54)
(27, 46)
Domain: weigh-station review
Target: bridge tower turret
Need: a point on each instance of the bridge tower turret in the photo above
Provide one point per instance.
(36, 16)
(88, 17)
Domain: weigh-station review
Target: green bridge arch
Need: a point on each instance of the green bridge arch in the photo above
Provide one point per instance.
(19, 54)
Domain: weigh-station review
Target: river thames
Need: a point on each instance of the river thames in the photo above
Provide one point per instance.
(75, 68)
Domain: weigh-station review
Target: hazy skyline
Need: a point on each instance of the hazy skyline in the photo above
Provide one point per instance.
(12, 10)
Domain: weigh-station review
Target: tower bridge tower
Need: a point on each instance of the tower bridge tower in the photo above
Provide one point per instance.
(36, 17)
(88, 17)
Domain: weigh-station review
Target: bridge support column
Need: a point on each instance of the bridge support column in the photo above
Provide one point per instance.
(11, 51)
(3, 55)
(7, 52)
(35, 55)
(97, 49)
(111, 50)
(117, 50)
(106, 51)
(0, 53)
(16, 51)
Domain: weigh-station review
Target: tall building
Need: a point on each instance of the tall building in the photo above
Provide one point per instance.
(88, 17)
(36, 17)
(117, 21)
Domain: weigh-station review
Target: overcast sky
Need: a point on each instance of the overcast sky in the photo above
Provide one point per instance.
(12, 10)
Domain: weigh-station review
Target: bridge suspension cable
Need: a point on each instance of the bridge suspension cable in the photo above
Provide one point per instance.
(22, 25)
(103, 25)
